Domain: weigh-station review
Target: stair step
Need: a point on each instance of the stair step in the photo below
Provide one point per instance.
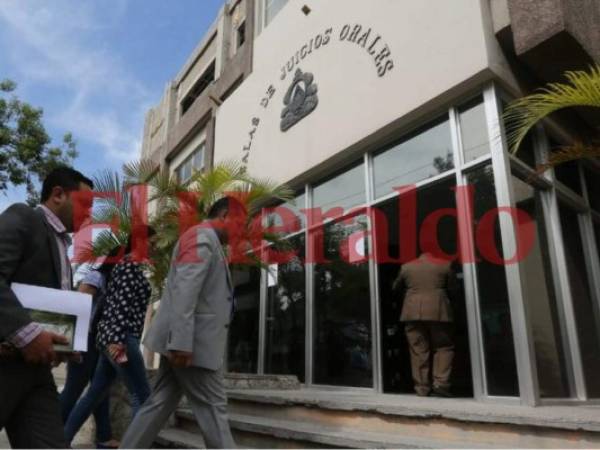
(178, 438)
(298, 431)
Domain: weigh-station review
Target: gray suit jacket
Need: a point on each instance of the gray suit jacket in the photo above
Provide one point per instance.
(29, 255)
(196, 306)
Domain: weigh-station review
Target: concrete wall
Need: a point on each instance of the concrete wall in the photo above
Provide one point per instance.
(197, 69)
(156, 126)
(167, 133)
(439, 51)
(537, 21)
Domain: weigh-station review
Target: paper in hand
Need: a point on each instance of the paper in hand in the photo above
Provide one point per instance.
(62, 312)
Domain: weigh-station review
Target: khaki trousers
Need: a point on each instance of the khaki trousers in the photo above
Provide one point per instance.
(430, 342)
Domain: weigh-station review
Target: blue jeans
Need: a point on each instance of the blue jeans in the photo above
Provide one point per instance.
(132, 373)
(78, 377)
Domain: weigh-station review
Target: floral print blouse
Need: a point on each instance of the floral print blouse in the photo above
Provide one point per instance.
(125, 305)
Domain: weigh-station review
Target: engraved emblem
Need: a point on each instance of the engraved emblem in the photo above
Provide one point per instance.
(300, 100)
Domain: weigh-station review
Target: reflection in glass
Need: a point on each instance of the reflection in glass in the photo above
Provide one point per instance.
(345, 190)
(586, 314)
(567, 173)
(592, 181)
(243, 331)
(597, 232)
(294, 207)
(474, 131)
(286, 306)
(539, 295)
(498, 342)
(342, 312)
(422, 155)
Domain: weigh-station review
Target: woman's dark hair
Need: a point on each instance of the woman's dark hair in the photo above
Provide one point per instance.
(226, 203)
(66, 178)
(107, 267)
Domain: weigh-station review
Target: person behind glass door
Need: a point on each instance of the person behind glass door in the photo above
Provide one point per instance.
(427, 284)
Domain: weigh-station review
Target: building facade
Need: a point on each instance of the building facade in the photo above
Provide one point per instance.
(349, 102)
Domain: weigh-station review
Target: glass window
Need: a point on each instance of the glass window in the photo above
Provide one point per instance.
(593, 188)
(198, 158)
(498, 342)
(422, 155)
(586, 314)
(191, 165)
(243, 331)
(597, 233)
(286, 309)
(294, 208)
(526, 152)
(474, 131)
(199, 87)
(345, 190)
(342, 310)
(241, 34)
(567, 173)
(273, 7)
(540, 297)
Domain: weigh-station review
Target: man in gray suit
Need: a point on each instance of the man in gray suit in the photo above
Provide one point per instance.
(190, 332)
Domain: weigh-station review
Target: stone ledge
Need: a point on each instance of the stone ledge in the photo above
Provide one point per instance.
(574, 418)
(242, 381)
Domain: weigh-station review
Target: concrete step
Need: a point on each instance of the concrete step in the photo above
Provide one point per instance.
(309, 418)
(256, 432)
(178, 438)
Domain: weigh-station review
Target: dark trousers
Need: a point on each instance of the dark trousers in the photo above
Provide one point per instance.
(79, 375)
(29, 406)
(132, 373)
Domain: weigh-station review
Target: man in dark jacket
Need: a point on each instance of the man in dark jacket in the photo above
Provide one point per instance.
(33, 250)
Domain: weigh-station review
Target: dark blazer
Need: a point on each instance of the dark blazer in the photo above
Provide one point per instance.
(427, 285)
(29, 255)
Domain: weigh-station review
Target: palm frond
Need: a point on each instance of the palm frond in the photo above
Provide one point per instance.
(568, 153)
(582, 89)
(139, 172)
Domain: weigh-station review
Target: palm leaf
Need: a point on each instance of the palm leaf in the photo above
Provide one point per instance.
(582, 89)
(568, 153)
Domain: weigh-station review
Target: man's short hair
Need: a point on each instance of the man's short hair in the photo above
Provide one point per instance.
(224, 204)
(66, 178)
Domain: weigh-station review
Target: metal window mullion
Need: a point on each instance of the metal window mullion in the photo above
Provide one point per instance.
(523, 339)
(376, 336)
(466, 241)
(565, 291)
(309, 295)
(550, 221)
(586, 225)
(563, 280)
(262, 323)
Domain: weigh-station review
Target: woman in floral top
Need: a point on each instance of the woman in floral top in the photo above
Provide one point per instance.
(118, 339)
